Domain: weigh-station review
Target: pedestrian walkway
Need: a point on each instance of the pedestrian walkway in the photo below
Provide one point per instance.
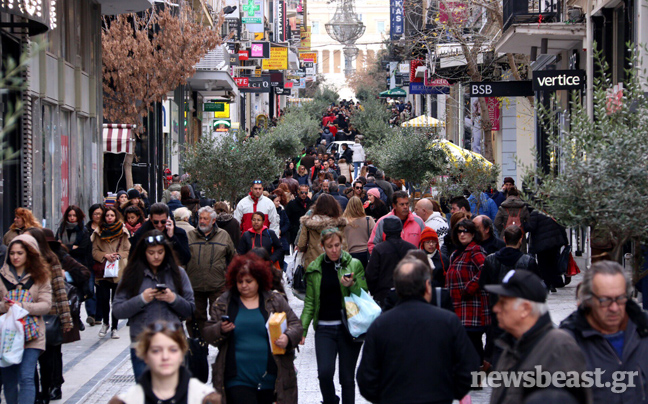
(95, 370)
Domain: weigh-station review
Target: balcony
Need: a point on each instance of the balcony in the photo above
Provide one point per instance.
(530, 11)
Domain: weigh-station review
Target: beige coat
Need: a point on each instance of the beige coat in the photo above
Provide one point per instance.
(309, 236)
(345, 169)
(41, 305)
(100, 248)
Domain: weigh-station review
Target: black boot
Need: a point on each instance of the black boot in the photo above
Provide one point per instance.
(55, 393)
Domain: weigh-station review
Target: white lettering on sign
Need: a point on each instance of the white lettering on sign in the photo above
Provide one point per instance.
(483, 89)
(561, 80)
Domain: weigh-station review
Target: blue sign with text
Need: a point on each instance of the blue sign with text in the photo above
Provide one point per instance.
(420, 88)
(396, 19)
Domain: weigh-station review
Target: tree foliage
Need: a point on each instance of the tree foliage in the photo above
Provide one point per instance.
(408, 155)
(372, 123)
(146, 56)
(597, 176)
(224, 167)
(294, 130)
(369, 80)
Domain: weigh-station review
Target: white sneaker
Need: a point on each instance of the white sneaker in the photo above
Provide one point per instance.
(114, 335)
(104, 330)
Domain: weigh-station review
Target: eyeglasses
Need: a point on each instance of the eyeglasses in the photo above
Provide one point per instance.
(257, 182)
(463, 231)
(607, 301)
(358, 187)
(303, 193)
(160, 326)
(159, 221)
(159, 239)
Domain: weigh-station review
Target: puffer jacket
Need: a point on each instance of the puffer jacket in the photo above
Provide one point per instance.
(314, 285)
(140, 314)
(309, 236)
(283, 365)
(512, 204)
(101, 247)
(210, 256)
(545, 232)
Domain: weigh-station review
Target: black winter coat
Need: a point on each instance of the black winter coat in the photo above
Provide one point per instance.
(497, 265)
(179, 241)
(383, 261)
(268, 240)
(435, 361)
(545, 233)
(284, 227)
(295, 210)
(492, 245)
(83, 244)
(227, 222)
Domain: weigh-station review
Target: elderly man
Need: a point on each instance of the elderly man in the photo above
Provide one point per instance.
(489, 242)
(425, 210)
(160, 220)
(612, 331)
(174, 203)
(211, 251)
(256, 202)
(384, 185)
(412, 224)
(530, 343)
(174, 186)
(416, 352)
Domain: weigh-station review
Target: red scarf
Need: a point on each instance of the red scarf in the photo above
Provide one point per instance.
(255, 200)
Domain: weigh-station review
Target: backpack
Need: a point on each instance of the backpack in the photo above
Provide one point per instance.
(514, 219)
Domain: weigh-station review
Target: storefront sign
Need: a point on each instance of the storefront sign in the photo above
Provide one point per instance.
(244, 55)
(242, 82)
(308, 56)
(276, 79)
(501, 89)
(225, 113)
(552, 80)
(420, 88)
(278, 59)
(436, 82)
(252, 12)
(260, 50)
(281, 21)
(214, 106)
(305, 38)
(493, 106)
(396, 19)
(258, 85)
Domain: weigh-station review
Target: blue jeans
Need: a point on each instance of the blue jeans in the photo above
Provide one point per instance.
(356, 168)
(21, 377)
(91, 303)
(139, 366)
(331, 342)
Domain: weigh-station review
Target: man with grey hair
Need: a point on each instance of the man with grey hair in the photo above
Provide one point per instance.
(416, 352)
(530, 339)
(333, 191)
(371, 183)
(174, 201)
(384, 185)
(182, 216)
(211, 252)
(612, 330)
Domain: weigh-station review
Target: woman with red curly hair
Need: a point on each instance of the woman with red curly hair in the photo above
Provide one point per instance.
(23, 220)
(246, 371)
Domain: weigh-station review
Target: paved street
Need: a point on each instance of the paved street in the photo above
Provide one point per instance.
(95, 370)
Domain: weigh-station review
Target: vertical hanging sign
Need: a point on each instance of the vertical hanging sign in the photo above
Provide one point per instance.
(281, 21)
(396, 19)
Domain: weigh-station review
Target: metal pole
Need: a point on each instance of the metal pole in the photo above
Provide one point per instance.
(590, 62)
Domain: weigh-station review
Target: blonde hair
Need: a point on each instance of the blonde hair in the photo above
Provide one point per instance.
(354, 209)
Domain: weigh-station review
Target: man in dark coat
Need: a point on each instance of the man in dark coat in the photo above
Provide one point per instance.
(333, 191)
(489, 242)
(385, 258)
(547, 239)
(384, 185)
(612, 331)
(347, 154)
(225, 220)
(296, 209)
(162, 221)
(415, 351)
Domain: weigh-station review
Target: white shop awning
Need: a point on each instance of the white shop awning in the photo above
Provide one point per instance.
(118, 138)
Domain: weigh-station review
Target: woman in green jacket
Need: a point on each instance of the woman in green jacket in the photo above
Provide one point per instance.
(331, 277)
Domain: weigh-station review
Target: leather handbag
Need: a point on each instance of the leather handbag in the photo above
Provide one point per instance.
(53, 330)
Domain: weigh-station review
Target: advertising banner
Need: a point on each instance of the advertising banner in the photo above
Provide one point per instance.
(278, 59)
(396, 19)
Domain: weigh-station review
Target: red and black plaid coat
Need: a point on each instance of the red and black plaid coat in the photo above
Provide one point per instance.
(469, 300)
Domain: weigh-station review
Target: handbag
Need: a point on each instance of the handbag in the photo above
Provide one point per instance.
(53, 330)
(299, 282)
(572, 267)
(12, 336)
(196, 357)
(360, 312)
(99, 268)
(563, 260)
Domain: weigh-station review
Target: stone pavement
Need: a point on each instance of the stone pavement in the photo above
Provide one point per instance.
(95, 370)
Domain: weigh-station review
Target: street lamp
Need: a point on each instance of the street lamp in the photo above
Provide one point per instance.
(346, 28)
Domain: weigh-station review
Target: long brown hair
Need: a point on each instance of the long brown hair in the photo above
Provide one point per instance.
(28, 218)
(35, 265)
(326, 205)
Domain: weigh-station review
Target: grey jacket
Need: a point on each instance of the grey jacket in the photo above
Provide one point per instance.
(600, 354)
(140, 314)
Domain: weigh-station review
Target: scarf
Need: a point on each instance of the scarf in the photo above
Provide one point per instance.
(69, 233)
(109, 232)
(133, 229)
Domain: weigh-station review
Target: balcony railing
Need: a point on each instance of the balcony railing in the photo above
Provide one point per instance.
(530, 11)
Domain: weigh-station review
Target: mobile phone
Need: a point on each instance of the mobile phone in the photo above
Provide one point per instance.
(348, 276)
(161, 287)
(8, 300)
(225, 319)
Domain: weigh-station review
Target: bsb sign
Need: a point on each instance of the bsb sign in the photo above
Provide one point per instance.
(552, 80)
(500, 88)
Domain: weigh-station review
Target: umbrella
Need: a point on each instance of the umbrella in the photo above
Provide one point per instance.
(393, 93)
(457, 153)
(422, 122)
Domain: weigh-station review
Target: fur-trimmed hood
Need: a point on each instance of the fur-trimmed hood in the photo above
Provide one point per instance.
(319, 222)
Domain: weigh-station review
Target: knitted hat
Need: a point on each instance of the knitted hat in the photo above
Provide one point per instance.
(374, 192)
(428, 234)
(120, 193)
(26, 239)
(392, 225)
(133, 193)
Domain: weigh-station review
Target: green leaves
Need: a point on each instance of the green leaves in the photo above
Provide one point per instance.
(372, 123)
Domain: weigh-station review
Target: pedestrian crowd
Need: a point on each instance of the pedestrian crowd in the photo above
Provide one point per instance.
(462, 285)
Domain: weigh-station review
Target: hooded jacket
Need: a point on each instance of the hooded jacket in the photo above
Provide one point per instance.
(384, 259)
(247, 206)
(309, 237)
(497, 265)
(266, 238)
(327, 135)
(512, 204)
(41, 293)
(210, 256)
(295, 210)
(412, 229)
(227, 222)
(600, 354)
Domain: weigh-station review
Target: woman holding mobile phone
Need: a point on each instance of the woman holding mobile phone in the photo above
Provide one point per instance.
(152, 288)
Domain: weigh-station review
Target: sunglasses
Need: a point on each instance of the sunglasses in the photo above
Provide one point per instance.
(303, 193)
(358, 187)
(463, 231)
(257, 182)
(159, 221)
(160, 326)
(151, 240)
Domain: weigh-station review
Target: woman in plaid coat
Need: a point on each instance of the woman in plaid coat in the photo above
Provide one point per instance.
(469, 300)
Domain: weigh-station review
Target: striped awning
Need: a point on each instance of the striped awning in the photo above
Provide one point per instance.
(422, 122)
(118, 138)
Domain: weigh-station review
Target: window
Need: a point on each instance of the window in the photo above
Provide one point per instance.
(380, 27)
(315, 28)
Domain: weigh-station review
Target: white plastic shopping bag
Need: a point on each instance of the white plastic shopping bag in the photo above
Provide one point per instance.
(12, 336)
(361, 312)
(112, 269)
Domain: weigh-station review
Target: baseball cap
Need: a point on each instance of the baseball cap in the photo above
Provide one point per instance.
(520, 283)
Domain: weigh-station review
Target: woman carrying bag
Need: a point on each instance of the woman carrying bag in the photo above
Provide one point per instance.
(246, 370)
(26, 283)
(153, 287)
(331, 277)
(109, 244)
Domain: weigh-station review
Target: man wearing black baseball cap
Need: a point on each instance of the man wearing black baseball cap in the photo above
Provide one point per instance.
(530, 339)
